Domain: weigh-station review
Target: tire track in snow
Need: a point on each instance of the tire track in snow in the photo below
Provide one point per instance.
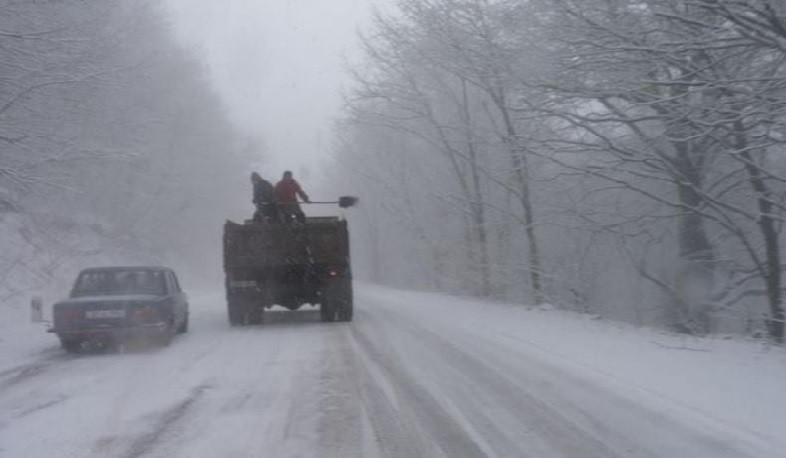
(163, 427)
(541, 429)
(406, 418)
(22, 373)
(41, 406)
(570, 412)
(25, 372)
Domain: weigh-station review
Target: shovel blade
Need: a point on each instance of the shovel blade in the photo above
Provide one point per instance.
(347, 201)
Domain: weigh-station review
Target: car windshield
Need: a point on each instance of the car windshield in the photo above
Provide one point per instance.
(112, 282)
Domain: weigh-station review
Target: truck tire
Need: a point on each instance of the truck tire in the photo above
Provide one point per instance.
(344, 310)
(343, 294)
(235, 313)
(337, 301)
(255, 315)
(326, 311)
(71, 345)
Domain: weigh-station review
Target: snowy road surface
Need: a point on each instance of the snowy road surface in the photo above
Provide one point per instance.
(413, 375)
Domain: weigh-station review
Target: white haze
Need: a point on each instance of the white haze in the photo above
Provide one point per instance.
(279, 67)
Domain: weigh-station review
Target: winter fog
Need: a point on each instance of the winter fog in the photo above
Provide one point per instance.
(545, 228)
(280, 68)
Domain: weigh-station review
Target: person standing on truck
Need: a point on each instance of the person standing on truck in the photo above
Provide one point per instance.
(287, 191)
(264, 199)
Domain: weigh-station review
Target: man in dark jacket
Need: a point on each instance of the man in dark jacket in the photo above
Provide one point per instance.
(287, 191)
(264, 200)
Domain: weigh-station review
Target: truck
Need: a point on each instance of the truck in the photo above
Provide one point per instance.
(289, 265)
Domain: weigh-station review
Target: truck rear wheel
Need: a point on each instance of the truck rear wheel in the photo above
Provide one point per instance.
(255, 314)
(344, 310)
(235, 312)
(337, 301)
(71, 345)
(326, 311)
(244, 312)
(342, 292)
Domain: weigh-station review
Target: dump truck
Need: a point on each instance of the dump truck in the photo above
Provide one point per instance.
(289, 265)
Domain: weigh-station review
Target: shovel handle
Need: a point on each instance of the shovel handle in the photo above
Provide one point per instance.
(343, 201)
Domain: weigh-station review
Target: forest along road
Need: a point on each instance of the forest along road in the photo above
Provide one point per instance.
(401, 380)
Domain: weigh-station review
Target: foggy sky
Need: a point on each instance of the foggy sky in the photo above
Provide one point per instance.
(278, 64)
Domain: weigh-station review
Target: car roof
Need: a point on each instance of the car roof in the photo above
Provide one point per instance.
(121, 268)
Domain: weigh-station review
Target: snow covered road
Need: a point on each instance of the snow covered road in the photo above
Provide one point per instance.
(413, 375)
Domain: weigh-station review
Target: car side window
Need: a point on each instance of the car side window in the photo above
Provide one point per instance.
(174, 286)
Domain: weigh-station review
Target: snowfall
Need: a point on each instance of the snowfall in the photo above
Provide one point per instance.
(415, 374)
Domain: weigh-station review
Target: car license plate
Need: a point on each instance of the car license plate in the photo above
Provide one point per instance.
(94, 314)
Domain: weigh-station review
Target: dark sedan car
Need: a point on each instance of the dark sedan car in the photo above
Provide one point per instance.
(111, 305)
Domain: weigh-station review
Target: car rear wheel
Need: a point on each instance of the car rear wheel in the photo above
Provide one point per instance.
(100, 343)
(183, 326)
(167, 334)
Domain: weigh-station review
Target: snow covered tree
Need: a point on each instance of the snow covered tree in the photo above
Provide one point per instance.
(668, 92)
(641, 133)
(110, 136)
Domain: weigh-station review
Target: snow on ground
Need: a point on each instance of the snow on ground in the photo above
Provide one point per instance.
(736, 383)
(415, 374)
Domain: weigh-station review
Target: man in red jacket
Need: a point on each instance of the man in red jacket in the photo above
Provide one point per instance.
(287, 191)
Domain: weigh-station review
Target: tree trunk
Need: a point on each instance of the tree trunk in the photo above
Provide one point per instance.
(695, 273)
(477, 205)
(521, 172)
(769, 232)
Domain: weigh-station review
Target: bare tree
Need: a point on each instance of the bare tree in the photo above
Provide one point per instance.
(109, 132)
(646, 132)
(661, 104)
